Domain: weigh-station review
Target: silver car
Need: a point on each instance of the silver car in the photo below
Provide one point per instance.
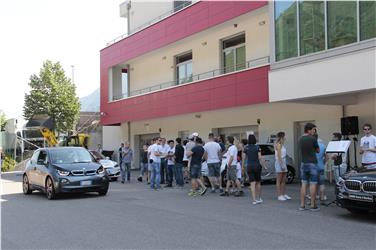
(112, 167)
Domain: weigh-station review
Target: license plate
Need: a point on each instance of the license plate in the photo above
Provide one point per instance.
(360, 197)
(85, 183)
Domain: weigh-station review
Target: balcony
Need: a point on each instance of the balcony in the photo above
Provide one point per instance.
(124, 9)
(239, 88)
(251, 64)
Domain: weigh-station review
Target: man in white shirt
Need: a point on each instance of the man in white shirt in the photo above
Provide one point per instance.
(232, 160)
(155, 152)
(213, 155)
(165, 149)
(368, 147)
(170, 162)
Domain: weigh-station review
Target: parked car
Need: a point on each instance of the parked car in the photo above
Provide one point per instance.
(112, 167)
(356, 191)
(62, 170)
(268, 153)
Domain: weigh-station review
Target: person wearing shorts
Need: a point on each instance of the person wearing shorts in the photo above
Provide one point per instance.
(212, 155)
(252, 155)
(281, 167)
(232, 161)
(308, 148)
(196, 154)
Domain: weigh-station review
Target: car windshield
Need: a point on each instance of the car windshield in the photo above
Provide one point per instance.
(70, 155)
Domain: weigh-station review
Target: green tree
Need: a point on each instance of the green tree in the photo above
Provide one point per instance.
(3, 120)
(52, 94)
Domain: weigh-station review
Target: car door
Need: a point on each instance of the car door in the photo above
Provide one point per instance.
(267, 152)
(41, 168)
(31, 172)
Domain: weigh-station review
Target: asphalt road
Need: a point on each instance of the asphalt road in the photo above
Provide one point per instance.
(132, 216)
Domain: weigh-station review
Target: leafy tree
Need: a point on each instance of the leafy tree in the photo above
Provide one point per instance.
(52, 94)
(3, 120)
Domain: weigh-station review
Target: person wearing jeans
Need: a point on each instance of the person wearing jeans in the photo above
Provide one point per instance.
(155, 151)
(126, 162)
(170, 163)
(179, 156)
(308, 147)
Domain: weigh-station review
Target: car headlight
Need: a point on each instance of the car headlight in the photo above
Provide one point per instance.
(100, 170)
(63, 172)
(340, 181)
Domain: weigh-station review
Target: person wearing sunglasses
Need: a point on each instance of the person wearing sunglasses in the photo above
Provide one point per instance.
(368, 148)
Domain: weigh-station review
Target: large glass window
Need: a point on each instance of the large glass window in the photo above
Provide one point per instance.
(367, 19)
(342, 25)
(234, 53)
(285, 30)
(312, 26)
(184, 68)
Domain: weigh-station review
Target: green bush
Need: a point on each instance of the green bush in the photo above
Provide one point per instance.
(8, 164)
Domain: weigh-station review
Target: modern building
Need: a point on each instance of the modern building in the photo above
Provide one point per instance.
(231, 67)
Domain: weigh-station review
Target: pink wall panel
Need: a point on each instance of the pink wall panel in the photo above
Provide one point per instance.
(237, 89)
(195, 18)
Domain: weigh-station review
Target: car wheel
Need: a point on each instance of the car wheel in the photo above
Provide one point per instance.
(50, 189)
(25, 185)
(290, 175)
(103, 192)
(357, 211)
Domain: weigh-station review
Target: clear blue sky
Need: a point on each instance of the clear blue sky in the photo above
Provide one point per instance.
(69, 31)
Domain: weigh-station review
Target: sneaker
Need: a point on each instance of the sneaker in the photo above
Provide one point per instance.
(221, 190)
(301, 208)
(203, 191)
(212, 191)
(224, 194)
(192, 193)
(122, 182)
(287, 197)
(255, 202)
(139, 178)
(282, 198)
(314, 209)
(237, 194)
(260, 200)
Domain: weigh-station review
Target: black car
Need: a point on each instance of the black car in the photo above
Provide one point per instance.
(357, 191)
(64, 169)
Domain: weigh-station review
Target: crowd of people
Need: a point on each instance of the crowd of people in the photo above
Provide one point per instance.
(175, 162)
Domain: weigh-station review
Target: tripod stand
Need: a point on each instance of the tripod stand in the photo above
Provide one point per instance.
(337, 163)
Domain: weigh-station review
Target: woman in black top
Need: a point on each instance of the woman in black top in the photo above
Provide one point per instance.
(252, 155)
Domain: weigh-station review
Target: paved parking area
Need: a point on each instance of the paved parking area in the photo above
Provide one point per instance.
(133, 216)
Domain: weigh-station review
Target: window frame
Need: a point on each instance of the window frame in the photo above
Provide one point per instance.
(233, 48)
(183, 64)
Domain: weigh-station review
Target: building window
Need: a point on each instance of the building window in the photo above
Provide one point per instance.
(286, 44)
(312, 26)
(178, 5)
(234, 53)
(367, 19)
(184, 68)
(342, 23)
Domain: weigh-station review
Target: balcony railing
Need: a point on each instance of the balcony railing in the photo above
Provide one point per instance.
(255, 63)
(155, 20)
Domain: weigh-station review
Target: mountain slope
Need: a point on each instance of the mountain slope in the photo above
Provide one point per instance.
(90, 103)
